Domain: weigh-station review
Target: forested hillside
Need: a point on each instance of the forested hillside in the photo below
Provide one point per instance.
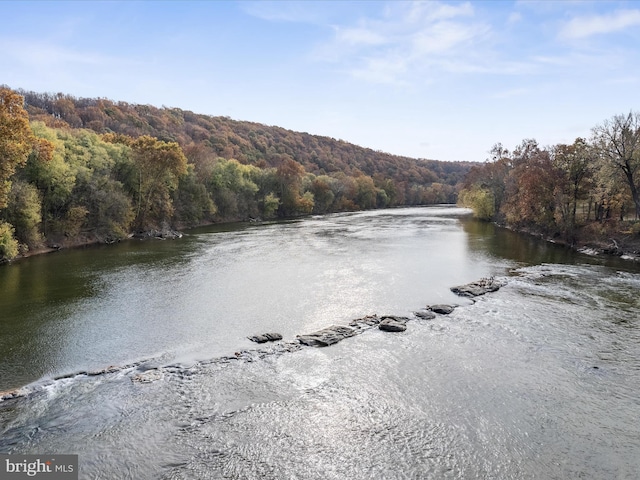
(76, 170)
(586, 192)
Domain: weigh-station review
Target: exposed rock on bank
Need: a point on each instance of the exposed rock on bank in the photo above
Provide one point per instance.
(475, 289)
(425, 314)
(266, 337)
(163, 234)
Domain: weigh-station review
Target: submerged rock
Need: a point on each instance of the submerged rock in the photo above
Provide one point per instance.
(480, 287)
(393, 324)
(441, 308)
(266, 337)
(425, 314)
(326, 336)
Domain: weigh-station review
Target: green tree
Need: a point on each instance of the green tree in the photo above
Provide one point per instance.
(8, 244)
(192, 201)
(159, 166)
(24, 213)
(233, 189)
(270, 205)
(366, 196)
(48, 170)
(480, 200)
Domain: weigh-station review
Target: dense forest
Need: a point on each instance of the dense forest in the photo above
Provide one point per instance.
(586, 192)
(76, 171)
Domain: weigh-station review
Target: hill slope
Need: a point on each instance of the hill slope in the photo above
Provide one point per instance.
(247, 142)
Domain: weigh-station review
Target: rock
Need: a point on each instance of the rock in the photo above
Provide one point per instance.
(442, 309)
(165, 233)
(266, 337)
(11, 394)
(148, 376)
(393, 324)
(475, 289)
(110, 369)
(364, 322)
(326, 336)
(425, 314)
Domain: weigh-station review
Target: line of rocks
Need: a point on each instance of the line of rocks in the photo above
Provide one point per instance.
(147, 372)
(388, 323)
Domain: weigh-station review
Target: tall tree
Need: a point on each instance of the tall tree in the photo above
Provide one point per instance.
(576, 163)
(16, 139)
(618, 142)
(160, 165)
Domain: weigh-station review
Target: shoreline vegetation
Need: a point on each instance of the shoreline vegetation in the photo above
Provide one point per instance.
(76, 172)
(585, 195)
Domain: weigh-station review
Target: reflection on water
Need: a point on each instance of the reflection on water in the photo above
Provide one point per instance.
(537, 380)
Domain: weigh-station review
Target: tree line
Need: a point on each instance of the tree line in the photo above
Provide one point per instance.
(587, 190)
(75, 171)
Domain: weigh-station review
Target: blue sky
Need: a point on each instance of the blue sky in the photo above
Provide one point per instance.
(440, 80)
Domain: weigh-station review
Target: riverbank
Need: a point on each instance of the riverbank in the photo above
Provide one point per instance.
(604, 239)
(89, 240)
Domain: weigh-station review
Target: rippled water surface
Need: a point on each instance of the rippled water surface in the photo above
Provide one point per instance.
(537, 380)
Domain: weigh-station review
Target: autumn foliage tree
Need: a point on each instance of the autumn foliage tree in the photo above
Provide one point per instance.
(16, 143)
(617, 140)
(576, 164)
(16, 139)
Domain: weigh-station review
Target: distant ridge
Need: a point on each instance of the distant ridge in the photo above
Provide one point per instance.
(248, 142)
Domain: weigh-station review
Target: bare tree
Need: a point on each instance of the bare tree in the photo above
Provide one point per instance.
(618, 142)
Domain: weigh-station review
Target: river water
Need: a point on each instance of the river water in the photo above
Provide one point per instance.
(537, 380)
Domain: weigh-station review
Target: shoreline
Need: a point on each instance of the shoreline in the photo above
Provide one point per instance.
(624, 249)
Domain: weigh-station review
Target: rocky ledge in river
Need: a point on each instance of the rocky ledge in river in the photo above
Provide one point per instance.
(266, 337)
(480, 287)
(149, 372)
(391, 323)
(326, 336)
(425, 314)
(441, 308)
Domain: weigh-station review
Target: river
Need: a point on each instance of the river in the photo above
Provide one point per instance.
(537, 380)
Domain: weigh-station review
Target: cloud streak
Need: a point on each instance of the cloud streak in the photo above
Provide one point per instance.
(588, 26)
(406, 39)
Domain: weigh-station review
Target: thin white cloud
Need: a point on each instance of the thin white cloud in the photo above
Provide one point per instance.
(442, 37)
(514, 18)
(587, 26)
(360, 36)
(405, 40)
(436, 11)
(45, 54)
